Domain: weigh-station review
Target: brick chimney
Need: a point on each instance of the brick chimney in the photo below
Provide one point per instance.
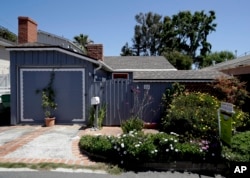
(95, 51)
(27, 30)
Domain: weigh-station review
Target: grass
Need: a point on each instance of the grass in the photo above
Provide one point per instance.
(111, 169)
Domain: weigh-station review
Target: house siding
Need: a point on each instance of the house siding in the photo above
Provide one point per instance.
(42, 60)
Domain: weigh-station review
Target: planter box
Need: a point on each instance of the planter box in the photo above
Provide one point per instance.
(150, 125)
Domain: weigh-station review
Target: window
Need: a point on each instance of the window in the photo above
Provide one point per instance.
(120, 75)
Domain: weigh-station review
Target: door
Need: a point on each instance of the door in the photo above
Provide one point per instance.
(69, 85)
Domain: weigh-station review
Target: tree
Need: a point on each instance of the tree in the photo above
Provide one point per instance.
(126, 51)
(217, 57)
(178, 60)
(8, 35)
(192, 31)
(83, 40)
(184, 32)
(146, 41)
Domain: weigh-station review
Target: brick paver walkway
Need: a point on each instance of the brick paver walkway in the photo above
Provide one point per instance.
(79, 158)
(13, 145)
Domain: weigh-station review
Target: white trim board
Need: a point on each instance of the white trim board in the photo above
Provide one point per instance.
(45, 70)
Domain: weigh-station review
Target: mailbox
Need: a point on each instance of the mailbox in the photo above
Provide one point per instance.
(95, 100)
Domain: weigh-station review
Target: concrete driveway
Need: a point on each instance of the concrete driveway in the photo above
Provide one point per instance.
(35, 144)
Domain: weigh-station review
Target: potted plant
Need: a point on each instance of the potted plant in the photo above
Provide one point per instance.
(48, 102)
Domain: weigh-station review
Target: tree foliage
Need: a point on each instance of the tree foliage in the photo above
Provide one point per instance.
(231, 90)
(82, 40)
(179, 60)
(184, 32)
(7, 35)
(217, 57)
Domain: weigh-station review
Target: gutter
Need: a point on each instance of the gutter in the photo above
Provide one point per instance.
(96, 69)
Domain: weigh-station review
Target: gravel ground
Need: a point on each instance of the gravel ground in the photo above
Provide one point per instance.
(55, 143)
(14, 133)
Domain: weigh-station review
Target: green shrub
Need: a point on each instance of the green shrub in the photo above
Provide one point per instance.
(193, 115)
(101, 116)
(137, 147)
(91, 118)
(132, 124)
(240, 148)
(100, 145)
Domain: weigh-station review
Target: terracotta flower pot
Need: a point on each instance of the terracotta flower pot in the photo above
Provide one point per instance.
(50, 121)
(150, 125)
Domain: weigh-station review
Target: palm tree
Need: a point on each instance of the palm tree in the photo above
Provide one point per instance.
(83, 40)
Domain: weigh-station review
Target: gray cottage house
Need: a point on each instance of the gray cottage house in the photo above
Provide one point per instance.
(125, 85)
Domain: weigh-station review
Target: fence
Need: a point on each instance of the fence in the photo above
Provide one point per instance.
(4, 83)
(125, 98)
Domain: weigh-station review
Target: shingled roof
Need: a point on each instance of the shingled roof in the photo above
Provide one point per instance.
(138, 63)
(180, 75)
(238, 62)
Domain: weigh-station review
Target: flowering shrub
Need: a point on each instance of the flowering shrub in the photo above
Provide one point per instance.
(240, 120)
(193, 115)
(231, 90)
(135, 147)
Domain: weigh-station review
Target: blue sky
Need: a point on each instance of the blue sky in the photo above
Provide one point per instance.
(111, 22)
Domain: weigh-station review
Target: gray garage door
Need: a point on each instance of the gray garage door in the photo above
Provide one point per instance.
(69, 87)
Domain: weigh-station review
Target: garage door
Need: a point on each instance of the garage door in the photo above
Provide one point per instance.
(69, 86)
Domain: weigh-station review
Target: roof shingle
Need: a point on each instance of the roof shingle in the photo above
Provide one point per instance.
(138, 62)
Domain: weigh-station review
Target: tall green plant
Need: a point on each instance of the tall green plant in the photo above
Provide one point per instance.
(101, 116)
(48, 97)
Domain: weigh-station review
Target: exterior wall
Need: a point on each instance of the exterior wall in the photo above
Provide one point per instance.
(25, 60)
(4, 54)
(241, 70)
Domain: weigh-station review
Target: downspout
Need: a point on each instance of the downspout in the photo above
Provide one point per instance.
(96, 69)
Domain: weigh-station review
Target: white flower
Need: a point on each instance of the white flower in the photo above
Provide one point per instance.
(171, 139)
(166, 140)
(175, 141)
(171, 145)
(115, 147)
(121, 162)
(167, 150)
(137, 145)
(176, 150)
(173, 133)
(124, 135)
(200, 150)
(156, 151)
(171, 148)
(122, 145)
(124, 152)
(152, 152)
(118, 149)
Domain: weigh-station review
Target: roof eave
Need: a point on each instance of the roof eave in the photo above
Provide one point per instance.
(52, 48)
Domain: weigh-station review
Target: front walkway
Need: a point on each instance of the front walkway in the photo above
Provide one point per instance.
(36, 144)
(57, 144)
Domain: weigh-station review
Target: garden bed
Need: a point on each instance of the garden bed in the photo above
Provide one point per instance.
(188, 166)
